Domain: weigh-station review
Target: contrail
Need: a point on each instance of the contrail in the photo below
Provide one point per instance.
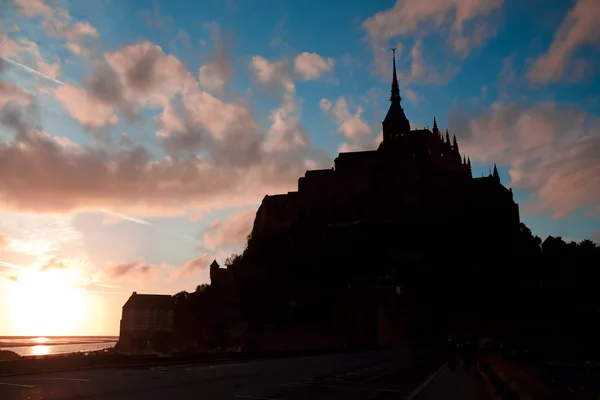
(127, 217)
(10, 265)
(29, 69)
(153, 227)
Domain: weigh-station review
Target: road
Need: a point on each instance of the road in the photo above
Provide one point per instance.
(370, 375)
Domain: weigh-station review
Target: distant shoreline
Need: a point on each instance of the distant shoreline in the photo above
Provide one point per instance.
(4, 345)
(60, 337)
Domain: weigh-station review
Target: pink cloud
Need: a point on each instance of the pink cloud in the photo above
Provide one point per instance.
(275, 73)
(148, 76)
(85, 108)
(465, 23)
(132, 269)
(49, 69)
(12, 93)
(231, 231)
(580, 27)
(359, 135)
(131, 179)
(192, 266)
(311, 66)
(57, 24)
(552, 152)
(8, 47)
(214, 74)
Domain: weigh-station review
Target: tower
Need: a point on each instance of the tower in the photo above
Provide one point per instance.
(395, 124)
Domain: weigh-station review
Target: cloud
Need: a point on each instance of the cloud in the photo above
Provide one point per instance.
(195, 265)
(57, 24)
(8, 47)
(286, 133)
(147, 76)
(465, 23)
(156, 19)
(551, 152)
(136, 269)
(13, 53)
(464, 19)
(216, 73)
(421, 72)
(274, 74)
(580, 27)
(86, 108)
(137, 76)
(2, 241)
(55, 263)
(234, 170)
(11, 93)
(230, 232)
(218, 157)
(352, 126)
(506, 77)
(310, 66)
(412, 96)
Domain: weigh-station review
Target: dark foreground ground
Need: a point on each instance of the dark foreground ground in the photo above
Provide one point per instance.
(368, 375)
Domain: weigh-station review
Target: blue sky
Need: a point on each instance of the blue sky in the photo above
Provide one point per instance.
(151, 130)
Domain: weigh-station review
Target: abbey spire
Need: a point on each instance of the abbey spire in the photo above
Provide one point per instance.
(395, 124)
(395, 88)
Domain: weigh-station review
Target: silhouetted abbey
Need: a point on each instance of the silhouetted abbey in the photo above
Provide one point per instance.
(415, 196)
(409, 214)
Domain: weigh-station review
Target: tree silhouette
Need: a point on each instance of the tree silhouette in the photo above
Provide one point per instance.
(588, 247)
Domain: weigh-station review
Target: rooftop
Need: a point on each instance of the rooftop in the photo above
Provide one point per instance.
(148, 301)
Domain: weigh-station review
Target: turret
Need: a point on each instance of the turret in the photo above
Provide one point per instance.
(214, 268)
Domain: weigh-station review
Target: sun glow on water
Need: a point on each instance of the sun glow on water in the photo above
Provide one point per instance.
(40, 350)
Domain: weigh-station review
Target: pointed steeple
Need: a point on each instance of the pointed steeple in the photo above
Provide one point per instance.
(395, 88)
(447, 137)
(464, 160)
(435, 127)
(395, 123)
(454, 143)
(496, 175)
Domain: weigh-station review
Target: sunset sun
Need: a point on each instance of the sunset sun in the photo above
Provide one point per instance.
(46, 302)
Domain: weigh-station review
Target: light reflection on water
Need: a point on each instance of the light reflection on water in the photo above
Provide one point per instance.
(56, 346)
(41, 350)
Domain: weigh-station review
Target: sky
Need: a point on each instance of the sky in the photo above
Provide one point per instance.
(138, 137)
